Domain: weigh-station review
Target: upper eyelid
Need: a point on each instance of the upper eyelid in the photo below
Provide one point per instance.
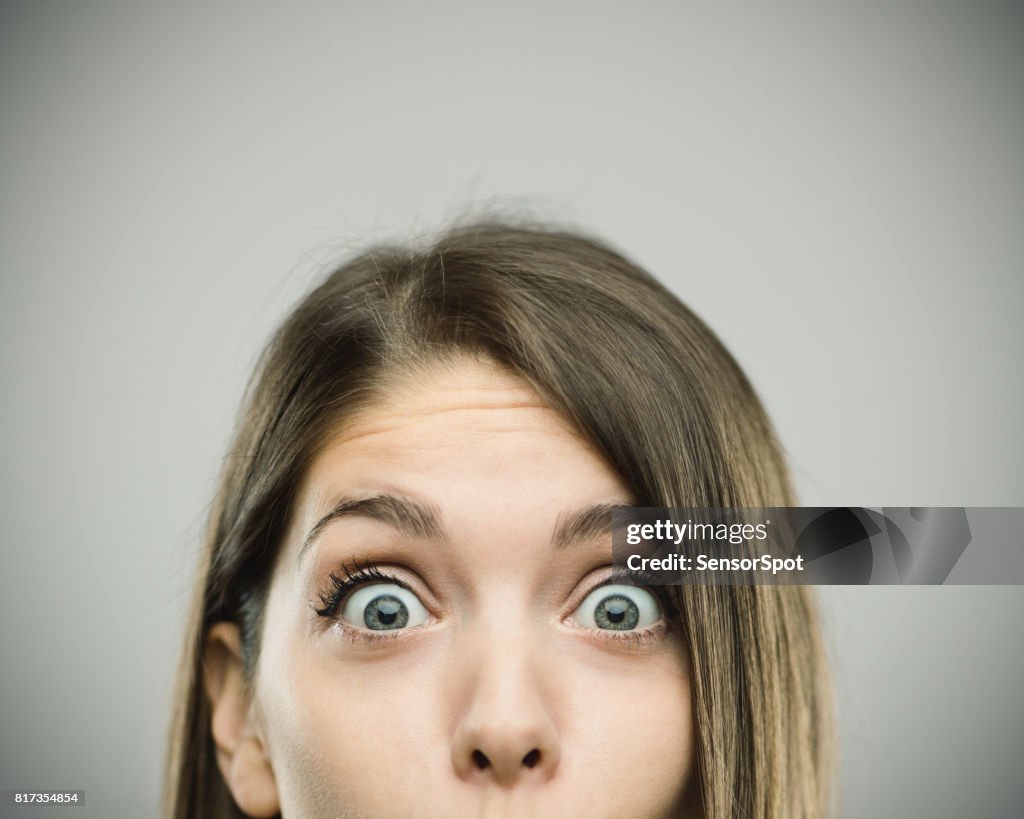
(375, 574)
(669, 610)
(610, 577)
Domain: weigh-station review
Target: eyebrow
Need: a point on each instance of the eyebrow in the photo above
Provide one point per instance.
(586, 524)
(409, 517)
(420, 521)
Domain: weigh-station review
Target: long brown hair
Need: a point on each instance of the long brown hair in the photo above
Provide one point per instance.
(636, 372)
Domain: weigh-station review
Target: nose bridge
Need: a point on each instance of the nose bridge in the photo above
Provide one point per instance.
(505, 729)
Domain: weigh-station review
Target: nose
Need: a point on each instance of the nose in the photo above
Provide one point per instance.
(505, 732)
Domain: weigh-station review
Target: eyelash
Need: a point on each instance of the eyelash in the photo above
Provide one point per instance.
(356, 575)
(341, 587)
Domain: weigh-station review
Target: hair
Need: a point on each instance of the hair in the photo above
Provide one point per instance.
(637, 373)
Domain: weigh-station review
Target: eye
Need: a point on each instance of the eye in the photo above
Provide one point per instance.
(383, 607)
(618, 607)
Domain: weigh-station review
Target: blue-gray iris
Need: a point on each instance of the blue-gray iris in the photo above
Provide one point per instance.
(616, 612)
(385, 612)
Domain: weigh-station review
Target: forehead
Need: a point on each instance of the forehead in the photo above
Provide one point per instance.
(461, 435)
(463, 393)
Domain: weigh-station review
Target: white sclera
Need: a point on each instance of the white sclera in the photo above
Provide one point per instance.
(646, 604)
(357, 602)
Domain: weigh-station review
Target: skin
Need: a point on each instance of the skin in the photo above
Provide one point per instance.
(501, 702)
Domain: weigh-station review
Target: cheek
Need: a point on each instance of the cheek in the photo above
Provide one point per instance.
(635, 730)
(343, 736)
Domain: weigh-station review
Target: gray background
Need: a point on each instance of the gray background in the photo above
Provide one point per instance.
(838, 192)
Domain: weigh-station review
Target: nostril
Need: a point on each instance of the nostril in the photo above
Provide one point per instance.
(531, 758)
(480, 760)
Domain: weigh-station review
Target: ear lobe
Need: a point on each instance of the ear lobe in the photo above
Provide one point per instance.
(251, 781)
(241, 756)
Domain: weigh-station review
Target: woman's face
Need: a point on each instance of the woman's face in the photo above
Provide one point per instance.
(444, 635)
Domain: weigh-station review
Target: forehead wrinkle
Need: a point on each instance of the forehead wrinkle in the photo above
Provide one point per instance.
(372, 423)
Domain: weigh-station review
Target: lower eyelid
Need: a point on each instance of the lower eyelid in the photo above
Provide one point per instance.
(361, 636)
(640, 637)
(654, 631)
(627, 640)
(365, 636)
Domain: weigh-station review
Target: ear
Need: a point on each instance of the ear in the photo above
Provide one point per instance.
(241, 754)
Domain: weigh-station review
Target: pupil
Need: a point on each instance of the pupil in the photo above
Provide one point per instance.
(616, 611)
(385, 612)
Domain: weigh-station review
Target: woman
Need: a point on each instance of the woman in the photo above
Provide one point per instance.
(406, 605)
